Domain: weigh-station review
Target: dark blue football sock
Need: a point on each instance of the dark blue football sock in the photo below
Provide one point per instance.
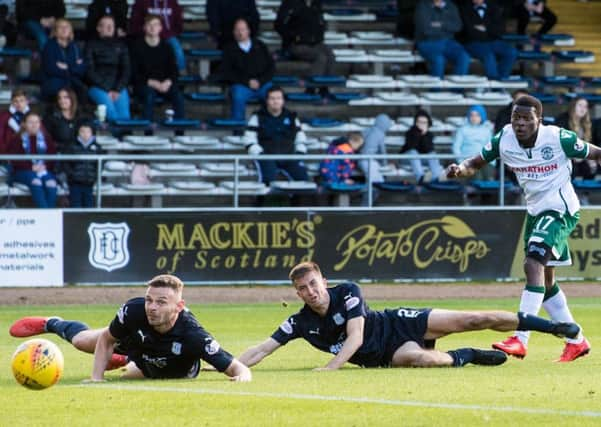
(530, 322)
(461, 356)
(66, 329)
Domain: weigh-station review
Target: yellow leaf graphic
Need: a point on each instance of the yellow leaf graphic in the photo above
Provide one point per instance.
(456, 228)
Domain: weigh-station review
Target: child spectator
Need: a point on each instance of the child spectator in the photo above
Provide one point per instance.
(10, 120)
(471, 137)
(337, 171)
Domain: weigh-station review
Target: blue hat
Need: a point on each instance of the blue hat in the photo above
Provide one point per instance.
(478, 109)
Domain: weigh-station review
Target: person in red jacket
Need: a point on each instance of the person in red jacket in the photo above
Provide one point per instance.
(10, 120)
(36, 174)
(172, 18)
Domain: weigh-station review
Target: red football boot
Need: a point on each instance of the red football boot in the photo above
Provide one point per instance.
(117, 361)
(28, 326)
(512, 346)
(572, 352)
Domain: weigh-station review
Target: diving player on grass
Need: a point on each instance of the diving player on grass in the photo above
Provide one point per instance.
(337, 320)
(159, 336)
(540, 157)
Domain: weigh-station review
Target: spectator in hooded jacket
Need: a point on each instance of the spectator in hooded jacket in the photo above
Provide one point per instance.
(276, 130)
(11, 119)
(35, 174)
(154, 70)
(36, 18)
(419, 140)
(108, 71)
(223, 14)
(472, 136)
(436, 23)
(340, 171)
(172, 18)
(483, 27)
(63, 63)
(248, 66)
(99, 8)
(301, 25)
(82, 174)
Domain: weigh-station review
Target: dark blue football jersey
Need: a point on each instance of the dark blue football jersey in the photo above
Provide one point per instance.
(329, 332)
(175, 354)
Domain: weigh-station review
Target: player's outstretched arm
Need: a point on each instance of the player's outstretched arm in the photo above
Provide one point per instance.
(255, 354)
(102, 354)
(466, 168)
(238, 372)
(354, 339)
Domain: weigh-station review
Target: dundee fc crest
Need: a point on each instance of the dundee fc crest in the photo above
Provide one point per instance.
(108, 245)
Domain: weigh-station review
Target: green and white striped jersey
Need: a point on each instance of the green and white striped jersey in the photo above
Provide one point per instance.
(543, 171)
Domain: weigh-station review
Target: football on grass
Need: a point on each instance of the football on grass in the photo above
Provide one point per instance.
(37, 364)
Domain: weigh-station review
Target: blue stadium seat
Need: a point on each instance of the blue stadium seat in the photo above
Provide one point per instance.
(574, 55)
(347, 96)
(531, 55)
(593, 98)
(340, 187)
(182, 123)
(545, 98)
(450, 186)
(552, 38)
(193, 35)
(587, 184)
(189, 79)
(15, 52)
(227, 123)
(491, 186)
(560, 81)
(399, 187)
(285, 80)
(304, 97)
(326, 80)
(206, 96)
(132, 123)
(205, 53)
(515, 38)
(323, 122)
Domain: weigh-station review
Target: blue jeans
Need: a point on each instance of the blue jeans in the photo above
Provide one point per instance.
(178, 51)
(148, 97)
(437, 52)
(81, 196)
(115, 110)
(497, 57)
(43, 189)
(241, 94)
(35, 30)
(293, 169)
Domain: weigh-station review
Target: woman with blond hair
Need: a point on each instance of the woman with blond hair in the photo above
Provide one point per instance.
(63, 63)
(578, 119)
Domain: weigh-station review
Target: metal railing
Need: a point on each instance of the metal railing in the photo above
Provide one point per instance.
(237, 159)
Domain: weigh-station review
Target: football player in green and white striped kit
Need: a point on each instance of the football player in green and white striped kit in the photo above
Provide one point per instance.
(539, 156)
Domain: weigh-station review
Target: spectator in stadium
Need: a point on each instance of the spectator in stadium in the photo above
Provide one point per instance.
(525, 10)
(419, 140)
(301, 25)
(161, 338)
(108, 70)
(483, 27)
(248, 66)
(63, 63)
(154, 71)
(337, 320)
(578, 120)
(10, 120)
(36, 174)
(36, 18)
(405, 25)
(504, 114)
(472, 136)
(82, 174)
(340, 171)
(99, 8)
(172, 18)
(276, 130)
(374, 142)
(223, 14)
(436, 23)
(63, 120)
(8, 30)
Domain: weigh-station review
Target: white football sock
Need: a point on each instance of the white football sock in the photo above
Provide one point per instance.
(557, 307)
(530, 303)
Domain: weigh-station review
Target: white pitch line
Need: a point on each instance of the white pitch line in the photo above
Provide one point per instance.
(390, 402)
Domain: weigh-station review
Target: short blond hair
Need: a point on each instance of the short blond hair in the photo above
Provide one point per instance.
(166, 281)
(62, 21)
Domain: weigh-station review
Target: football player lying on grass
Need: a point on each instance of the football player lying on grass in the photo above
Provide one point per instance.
(337, 320)
(153, 337)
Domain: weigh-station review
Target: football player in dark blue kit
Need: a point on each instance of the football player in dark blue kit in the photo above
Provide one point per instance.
(338, 321)
(160, 337)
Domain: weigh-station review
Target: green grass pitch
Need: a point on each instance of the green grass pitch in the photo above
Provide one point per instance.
(285, 392)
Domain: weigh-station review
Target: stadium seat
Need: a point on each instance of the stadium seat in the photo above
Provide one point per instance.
(206, 96)
(587, 184)
(323, 122)
(452, 186)
(593, 98)
(326, 80)
(557, 39)
(132, 123)
(491, 186)
(400, 187)
(347, 96)
(304, 97)
(285, 80)
(545, 98)
(574, 55)
(182, 123)
(192, 35)
(560, 81)
(227, 123)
